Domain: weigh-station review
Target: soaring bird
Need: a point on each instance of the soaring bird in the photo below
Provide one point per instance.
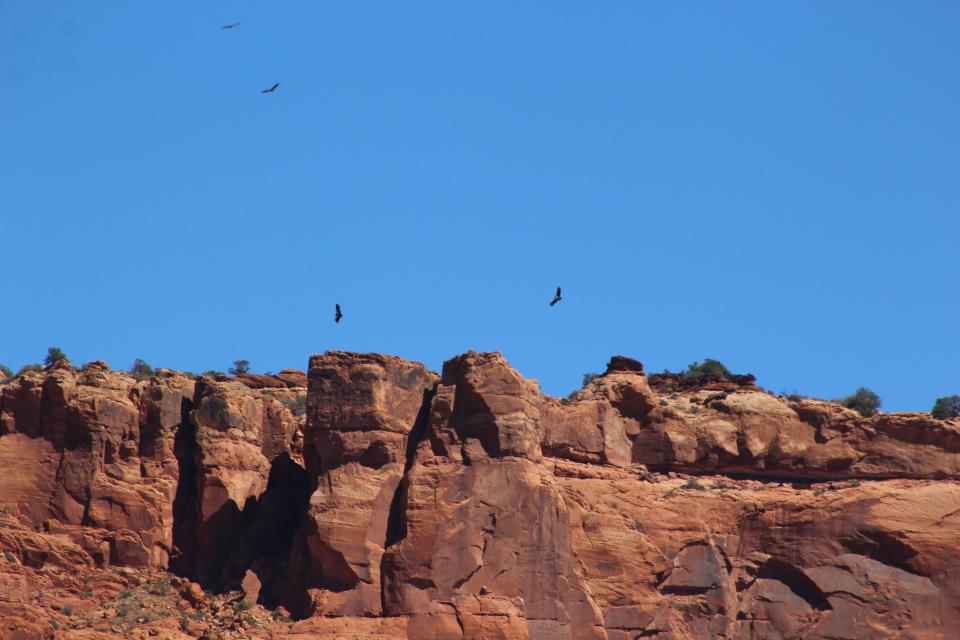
(556, 297)
(271, 89)
(231, 25)
(337, 315)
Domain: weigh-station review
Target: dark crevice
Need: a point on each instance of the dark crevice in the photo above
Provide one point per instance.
(268, 535)
(183, 558)
(396, 522)
(217, 551)
(796, 580)
(884, 547)
(682, 590)
(421, 583)
(396, 519)
(772, 475)
(472, 418)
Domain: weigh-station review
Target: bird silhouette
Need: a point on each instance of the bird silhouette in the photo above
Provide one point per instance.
(556, 297)
(337, 315)
(231, 25)
(271, 89)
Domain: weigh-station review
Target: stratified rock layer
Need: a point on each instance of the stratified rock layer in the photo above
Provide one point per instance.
(404, 504)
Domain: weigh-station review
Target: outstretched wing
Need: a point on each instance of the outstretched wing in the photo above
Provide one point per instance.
(231, 25)
(271, 89)
(558, 293)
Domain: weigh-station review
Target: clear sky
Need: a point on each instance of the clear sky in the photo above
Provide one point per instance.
(773, 184)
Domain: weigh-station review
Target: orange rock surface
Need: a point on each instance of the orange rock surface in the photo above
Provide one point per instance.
(373, 498)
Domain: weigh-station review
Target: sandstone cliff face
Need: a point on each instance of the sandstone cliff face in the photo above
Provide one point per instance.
(468, 505)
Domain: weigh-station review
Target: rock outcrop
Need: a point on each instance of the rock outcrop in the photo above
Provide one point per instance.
(373, 498)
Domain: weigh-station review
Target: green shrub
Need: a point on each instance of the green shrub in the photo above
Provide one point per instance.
(243, 605)
(706, 371)
(30, 368)
(126, 593)
(54, 355)
(5, 372)
(946, 408)
(692, 483)
(863, 401)
(161, 587)
(212, 373)
(9, 556)
(239, 366)
(68, 611)
(141, 370)
(587, 379)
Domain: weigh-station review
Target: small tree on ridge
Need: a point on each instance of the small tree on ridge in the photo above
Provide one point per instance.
(864, 401)
(54, 355)
(240, 366)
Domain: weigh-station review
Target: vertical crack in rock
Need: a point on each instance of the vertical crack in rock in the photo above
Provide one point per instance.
(396, 520)
(183, 560)
(269, 530)
(396, 523)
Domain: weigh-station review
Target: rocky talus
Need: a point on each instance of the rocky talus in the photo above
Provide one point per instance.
(370, 497)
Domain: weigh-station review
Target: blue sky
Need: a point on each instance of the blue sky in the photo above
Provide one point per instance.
(771, 184)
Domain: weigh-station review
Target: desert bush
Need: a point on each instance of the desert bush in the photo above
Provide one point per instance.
(945, 408)
(705, 371)
(588, 378)
(54, 355)
(243, 605)
(5, 372)
(863, 401)
(239, 366)
(126, 593)
(161, 587)
(30, 368)
(692, 483)
(297, 406)
(141, 370)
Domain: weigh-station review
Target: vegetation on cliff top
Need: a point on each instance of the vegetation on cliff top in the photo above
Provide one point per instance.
(54, 355)
(141, 370)
(948, 407)
(864, 401)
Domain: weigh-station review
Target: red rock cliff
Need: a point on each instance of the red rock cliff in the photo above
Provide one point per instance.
(404, 504)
